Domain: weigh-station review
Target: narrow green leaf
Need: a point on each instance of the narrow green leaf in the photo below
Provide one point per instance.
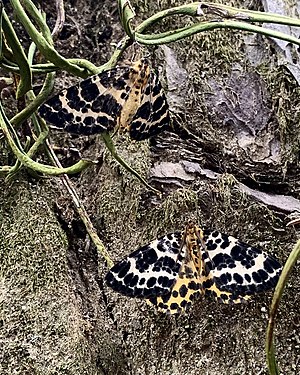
(270, 350)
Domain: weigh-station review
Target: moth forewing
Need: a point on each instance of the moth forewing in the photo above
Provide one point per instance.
(150, 270)
(139, 77)
(152, 117)
(89, 107)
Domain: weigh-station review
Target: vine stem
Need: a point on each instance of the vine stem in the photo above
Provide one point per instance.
(39, 38)
(110, 145)
(19, 56)
(228, 17)
(29, 163)
(270, 350)
(184, 32)
(80, 209)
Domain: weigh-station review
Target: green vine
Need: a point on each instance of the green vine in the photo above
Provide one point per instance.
(270, 349)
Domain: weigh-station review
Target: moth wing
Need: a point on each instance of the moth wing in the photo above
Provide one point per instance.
(91, 106)
(149, 271)
(152, 116)
(213, 289)
(186, 289)
(235, 270)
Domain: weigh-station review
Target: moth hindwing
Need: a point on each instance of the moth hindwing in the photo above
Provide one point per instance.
(128, 98)
(174, 270)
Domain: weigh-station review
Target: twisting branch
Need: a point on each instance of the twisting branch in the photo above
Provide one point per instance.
(60, 19)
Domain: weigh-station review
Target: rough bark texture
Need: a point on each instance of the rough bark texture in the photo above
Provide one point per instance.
(241, 115)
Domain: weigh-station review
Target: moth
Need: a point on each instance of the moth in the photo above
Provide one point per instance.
(174, 270)
(127, 99)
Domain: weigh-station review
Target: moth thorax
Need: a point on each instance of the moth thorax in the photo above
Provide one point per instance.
(192, 242)
(139, 71)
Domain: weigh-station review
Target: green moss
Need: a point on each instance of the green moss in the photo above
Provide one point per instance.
(284, 91)
(174, 211)
(41, 327)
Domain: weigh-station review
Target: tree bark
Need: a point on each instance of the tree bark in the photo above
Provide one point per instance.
(237, 125)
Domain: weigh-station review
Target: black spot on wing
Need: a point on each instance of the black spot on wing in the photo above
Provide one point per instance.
(106, 104)
(145, 258)
(88, 121)
(207, 283)
(58, 117)
(123, 269)
(89, 90)
(156, 88)
(225, 278)
(223, 261)
(211, 245)
(151, 282)
(158, 104)
(238, 253)
(71, 94)
(271, 264)
(144, 111)
(183, 290)
(238, 278)
(106, 78)
(214, 233)
(119, 84)
(165, 281)
(53, 104)
(140, 130)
